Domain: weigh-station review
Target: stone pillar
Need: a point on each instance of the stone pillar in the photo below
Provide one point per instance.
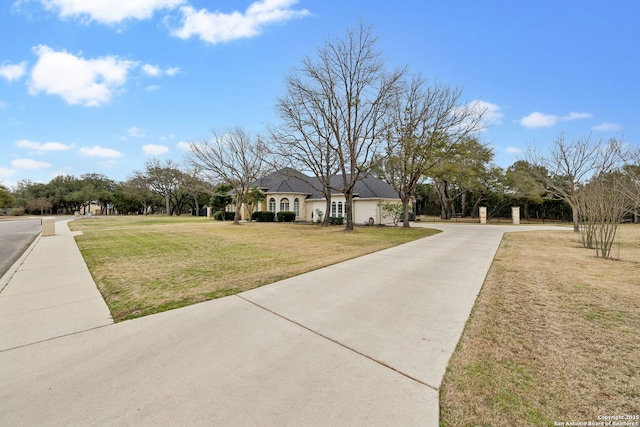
(483, 214)
(48, 227)
(209, 212)
(515, 215)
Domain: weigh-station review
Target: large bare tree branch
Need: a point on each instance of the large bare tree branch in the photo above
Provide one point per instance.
(571, 164)
(334, 110)
(427, 123)
(233, 157)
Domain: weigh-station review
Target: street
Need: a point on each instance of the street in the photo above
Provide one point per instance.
(15, 237)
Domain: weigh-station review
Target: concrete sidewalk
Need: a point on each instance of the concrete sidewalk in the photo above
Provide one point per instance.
(364, 342)
(50, 293)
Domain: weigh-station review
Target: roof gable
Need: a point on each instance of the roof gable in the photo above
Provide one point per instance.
(289, 180)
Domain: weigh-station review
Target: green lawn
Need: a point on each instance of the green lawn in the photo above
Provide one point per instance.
(144, 265)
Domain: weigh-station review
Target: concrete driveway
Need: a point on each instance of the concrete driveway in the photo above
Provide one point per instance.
(364, 342)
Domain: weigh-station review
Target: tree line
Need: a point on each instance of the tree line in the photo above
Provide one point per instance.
(161, 188)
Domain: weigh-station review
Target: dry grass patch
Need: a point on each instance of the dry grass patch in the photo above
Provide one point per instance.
(553, 336)
(147, 265)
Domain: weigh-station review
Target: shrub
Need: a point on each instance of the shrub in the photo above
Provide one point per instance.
(224, 216)
(286, 216)
(395, 211)
(263, 216)
(336, 220)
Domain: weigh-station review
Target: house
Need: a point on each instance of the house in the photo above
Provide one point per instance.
(290, 190)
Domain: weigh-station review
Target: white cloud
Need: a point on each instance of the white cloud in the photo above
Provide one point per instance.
(151, 70)
(64, 171)
(40, 148)
(13, 72)
(7, 173)
(184, 146)
(154, 71)
(109, 11)
(98, 151)
(154, 149)
(217, 27)
(538, 120)
(606, 127)
(575, 116)
(89, 82)
(152, 88)
(29, 164)
(513, 150)
(136, 132)
(491, 112)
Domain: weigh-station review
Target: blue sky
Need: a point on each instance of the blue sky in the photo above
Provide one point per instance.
(101, 86)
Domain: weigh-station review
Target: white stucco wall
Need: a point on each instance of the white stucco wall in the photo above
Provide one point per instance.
(291, 197)
(363, 209)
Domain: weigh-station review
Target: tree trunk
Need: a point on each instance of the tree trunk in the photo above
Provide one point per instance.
(327, 209)
(167, 202)
(463, 203)
(348, 208)
(476, 206)
(576, 219)
(239, 201)
(444, 199)
(405, 215)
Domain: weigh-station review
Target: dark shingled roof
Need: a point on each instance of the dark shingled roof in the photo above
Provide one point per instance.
(289, 180)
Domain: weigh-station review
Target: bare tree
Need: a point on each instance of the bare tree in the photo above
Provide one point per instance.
(303, 139)
(570, 164)
(631, 179)
(427, 123)
(603, 206)
(335, 108)
(233, 157)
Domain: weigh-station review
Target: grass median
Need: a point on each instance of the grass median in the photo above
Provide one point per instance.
(553, 337)
(145, 265)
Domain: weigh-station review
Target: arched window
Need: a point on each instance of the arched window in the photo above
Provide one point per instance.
(333, 208)
(296, 206)
(340, 209)
(284, 204)
(272, 205)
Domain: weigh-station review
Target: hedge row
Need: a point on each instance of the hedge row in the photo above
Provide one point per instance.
(224, 216)
(282, 216)
(336, 220)
(263, 216)
(286, 216)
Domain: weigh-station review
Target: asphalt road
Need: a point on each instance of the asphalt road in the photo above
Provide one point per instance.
(15, 237)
